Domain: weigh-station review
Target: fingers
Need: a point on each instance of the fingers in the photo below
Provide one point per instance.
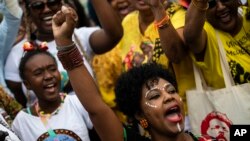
(66, 15)
(70, 14)
(59, 18)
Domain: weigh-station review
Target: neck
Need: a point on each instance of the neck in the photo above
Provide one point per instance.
(45, 36)
(145, 19)
(238, 26)
(49, 106)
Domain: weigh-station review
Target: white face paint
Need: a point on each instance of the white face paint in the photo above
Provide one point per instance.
(151, 92)
(178, 127)
(156, 88)
(150, 105)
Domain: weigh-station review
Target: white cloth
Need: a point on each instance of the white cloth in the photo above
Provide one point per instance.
(72, 116)
(5, 127)
(14, 58)
(8, 31)
(13, 7)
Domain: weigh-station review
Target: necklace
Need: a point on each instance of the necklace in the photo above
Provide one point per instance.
(45, 117)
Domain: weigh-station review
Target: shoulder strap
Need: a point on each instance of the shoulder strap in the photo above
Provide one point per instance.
(224, 64)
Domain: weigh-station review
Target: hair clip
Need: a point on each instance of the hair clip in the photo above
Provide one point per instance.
(27, 46)
(43, 46)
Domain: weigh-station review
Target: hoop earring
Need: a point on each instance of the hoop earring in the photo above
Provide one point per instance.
(144, 123)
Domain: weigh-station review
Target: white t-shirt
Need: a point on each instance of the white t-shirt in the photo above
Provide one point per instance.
(5, 127)
(70, 123)
(12, 63)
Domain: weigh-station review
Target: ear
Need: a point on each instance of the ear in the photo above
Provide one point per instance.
(27, 84)
(139, 116)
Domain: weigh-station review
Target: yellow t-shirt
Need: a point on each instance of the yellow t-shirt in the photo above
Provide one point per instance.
(131, 54)
(237, 50)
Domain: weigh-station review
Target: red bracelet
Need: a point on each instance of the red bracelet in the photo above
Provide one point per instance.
(163, 22)
(71, 58)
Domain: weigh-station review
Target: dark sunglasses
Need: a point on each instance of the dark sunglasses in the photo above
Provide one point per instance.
(212, 3)
(40, 5)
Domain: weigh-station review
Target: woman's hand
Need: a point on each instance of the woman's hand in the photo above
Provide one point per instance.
(63, 25)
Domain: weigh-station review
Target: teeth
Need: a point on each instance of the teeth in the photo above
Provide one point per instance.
(47, 18)
(49, 86)
(174, 108)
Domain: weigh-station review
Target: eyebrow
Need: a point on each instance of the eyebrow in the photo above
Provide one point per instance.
(156, 87)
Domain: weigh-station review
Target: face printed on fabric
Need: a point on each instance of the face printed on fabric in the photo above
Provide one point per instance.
(219, 130)
(122, 7)
(42, 76)
(223, 14)
(42, 12)
(216, 125)
(161, 106)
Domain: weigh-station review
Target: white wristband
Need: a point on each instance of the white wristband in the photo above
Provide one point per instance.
(65, 48)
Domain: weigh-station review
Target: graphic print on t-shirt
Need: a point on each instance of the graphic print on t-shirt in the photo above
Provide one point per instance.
(61, 135)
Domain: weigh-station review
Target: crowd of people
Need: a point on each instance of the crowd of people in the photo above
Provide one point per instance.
(123, 76)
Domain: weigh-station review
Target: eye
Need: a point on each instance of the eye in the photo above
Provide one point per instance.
(52, 68)
(37, 5)
(154, 94)
(171, 90)
(38, 72)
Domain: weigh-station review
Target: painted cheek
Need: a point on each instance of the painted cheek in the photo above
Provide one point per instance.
(150, 105)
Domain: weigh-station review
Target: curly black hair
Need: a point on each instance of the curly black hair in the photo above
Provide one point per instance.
(128, 88)
(27, 56)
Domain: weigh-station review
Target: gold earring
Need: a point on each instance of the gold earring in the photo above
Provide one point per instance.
(144, 123)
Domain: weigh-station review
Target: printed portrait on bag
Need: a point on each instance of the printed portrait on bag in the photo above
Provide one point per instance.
(216, 125)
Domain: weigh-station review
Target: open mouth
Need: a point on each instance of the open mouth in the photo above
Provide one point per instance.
(173, 114)
(47, 20)
(123, 8)
(50, 87)
(224, 17)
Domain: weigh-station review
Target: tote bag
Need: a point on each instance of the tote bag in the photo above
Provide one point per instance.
(211, 112)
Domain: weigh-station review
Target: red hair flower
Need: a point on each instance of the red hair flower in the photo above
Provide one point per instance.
(43, 46)
(27, 46)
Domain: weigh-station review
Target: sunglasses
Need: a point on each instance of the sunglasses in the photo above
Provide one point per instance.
(51, 4)
(212, 3)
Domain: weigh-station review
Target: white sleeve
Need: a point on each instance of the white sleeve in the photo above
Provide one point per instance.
(12, 63)
(78, 106)
(14, 8)
(16, 126)
(83, 34)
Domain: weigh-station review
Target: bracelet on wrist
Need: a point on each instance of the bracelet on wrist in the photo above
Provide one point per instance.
(65, 48)
(71, 58)
(164, 22)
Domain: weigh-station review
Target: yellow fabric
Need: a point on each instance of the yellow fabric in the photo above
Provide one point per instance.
(107, 68)
(128, 50)
(185, 78)
(9, 104)
(237, 58)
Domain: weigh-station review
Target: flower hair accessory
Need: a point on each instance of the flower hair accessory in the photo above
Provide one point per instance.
(29, 46)
(43, 46)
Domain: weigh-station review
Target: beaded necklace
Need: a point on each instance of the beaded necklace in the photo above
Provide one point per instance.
(45, 117)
